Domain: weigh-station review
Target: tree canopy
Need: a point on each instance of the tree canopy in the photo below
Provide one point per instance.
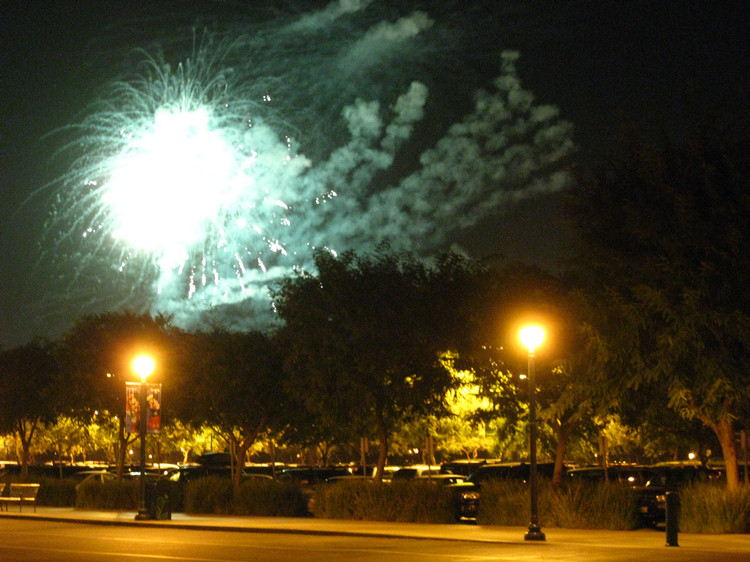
(365, 334)
(666, 231)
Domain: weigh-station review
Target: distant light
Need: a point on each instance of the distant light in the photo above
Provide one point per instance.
(691, 456)
(532, 337)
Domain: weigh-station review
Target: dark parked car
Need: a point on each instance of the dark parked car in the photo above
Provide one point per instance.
(469, 491)
(465, 467)
(311, 476)
(652, 496)
(633, 475)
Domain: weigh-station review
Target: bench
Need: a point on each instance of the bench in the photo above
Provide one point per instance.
(20, 494)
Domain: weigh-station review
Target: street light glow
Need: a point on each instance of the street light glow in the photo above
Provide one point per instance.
(532, 337)
(143, 366)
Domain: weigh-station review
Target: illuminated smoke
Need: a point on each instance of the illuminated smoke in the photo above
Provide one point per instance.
(193, 184)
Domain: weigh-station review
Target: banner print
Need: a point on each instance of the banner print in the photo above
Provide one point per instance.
(133, 407)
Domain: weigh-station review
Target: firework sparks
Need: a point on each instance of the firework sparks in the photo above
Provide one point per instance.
(207, 179)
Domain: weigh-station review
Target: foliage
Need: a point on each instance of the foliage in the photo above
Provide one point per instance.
(29, 391)
(96, 359)
(211, 494)
(363, 339)
(574, 505)
(666, 232)
(231, 381)
(122, 494)
(506, 502)
(269, 498)
(707, 508)
(66, 438)
(416, 502)
(583, 505)
(56, 492)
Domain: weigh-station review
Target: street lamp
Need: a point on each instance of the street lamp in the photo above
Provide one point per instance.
(143, 366)
(532, 337)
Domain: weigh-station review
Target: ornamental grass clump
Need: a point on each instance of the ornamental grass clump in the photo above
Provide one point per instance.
(405, 501)
(210, 494)
(583, 505)
(54, 492)
(266, 497)
(505, 502)
(573, 505)
(709, 507)
(115, 494)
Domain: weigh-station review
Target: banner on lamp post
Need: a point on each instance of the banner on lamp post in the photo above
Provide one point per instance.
(133, 407)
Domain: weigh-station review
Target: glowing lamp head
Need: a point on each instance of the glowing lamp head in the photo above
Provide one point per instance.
(143, 366)
(532, 337)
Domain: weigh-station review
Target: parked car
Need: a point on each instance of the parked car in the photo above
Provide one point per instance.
(443, 479)
(468, 493)
(633, 475)
(465, 467)
(416, 471)
(85, 476)
(652, 497)
(311, 476)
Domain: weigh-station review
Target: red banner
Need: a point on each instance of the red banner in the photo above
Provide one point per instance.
(133, 407)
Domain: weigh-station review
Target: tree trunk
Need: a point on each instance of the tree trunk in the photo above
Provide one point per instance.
(562, 432)
(724, 430)
(122, 441)
(382, 446)
(25, 447)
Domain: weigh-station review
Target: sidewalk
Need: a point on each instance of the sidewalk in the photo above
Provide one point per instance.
(644, 538)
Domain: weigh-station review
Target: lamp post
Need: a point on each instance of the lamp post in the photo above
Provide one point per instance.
(532, 337)
(143, 365)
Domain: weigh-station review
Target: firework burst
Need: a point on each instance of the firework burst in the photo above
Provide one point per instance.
(194, 184)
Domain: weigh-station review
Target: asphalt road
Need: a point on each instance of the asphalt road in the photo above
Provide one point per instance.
(33, 540)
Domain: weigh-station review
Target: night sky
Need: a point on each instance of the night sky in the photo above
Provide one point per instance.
(602, 63)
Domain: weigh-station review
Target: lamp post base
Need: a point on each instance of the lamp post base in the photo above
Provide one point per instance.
(534, 534)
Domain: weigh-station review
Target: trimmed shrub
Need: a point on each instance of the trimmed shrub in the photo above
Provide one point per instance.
(419, 502)
(707, 507)
(115, 494)
(270, 498)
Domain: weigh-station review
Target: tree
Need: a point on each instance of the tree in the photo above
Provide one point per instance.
(28, 392)
(96, 357)
(666, 232)
(231, 381)
(364, 336)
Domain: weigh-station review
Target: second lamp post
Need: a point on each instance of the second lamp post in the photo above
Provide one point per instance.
(532, 337)
(143, 366)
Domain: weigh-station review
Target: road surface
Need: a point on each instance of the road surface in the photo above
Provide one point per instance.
(33, 540)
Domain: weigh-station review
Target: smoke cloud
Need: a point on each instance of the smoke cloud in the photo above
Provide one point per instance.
(333, 129)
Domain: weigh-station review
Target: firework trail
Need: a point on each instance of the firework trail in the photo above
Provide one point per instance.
(197, 180)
